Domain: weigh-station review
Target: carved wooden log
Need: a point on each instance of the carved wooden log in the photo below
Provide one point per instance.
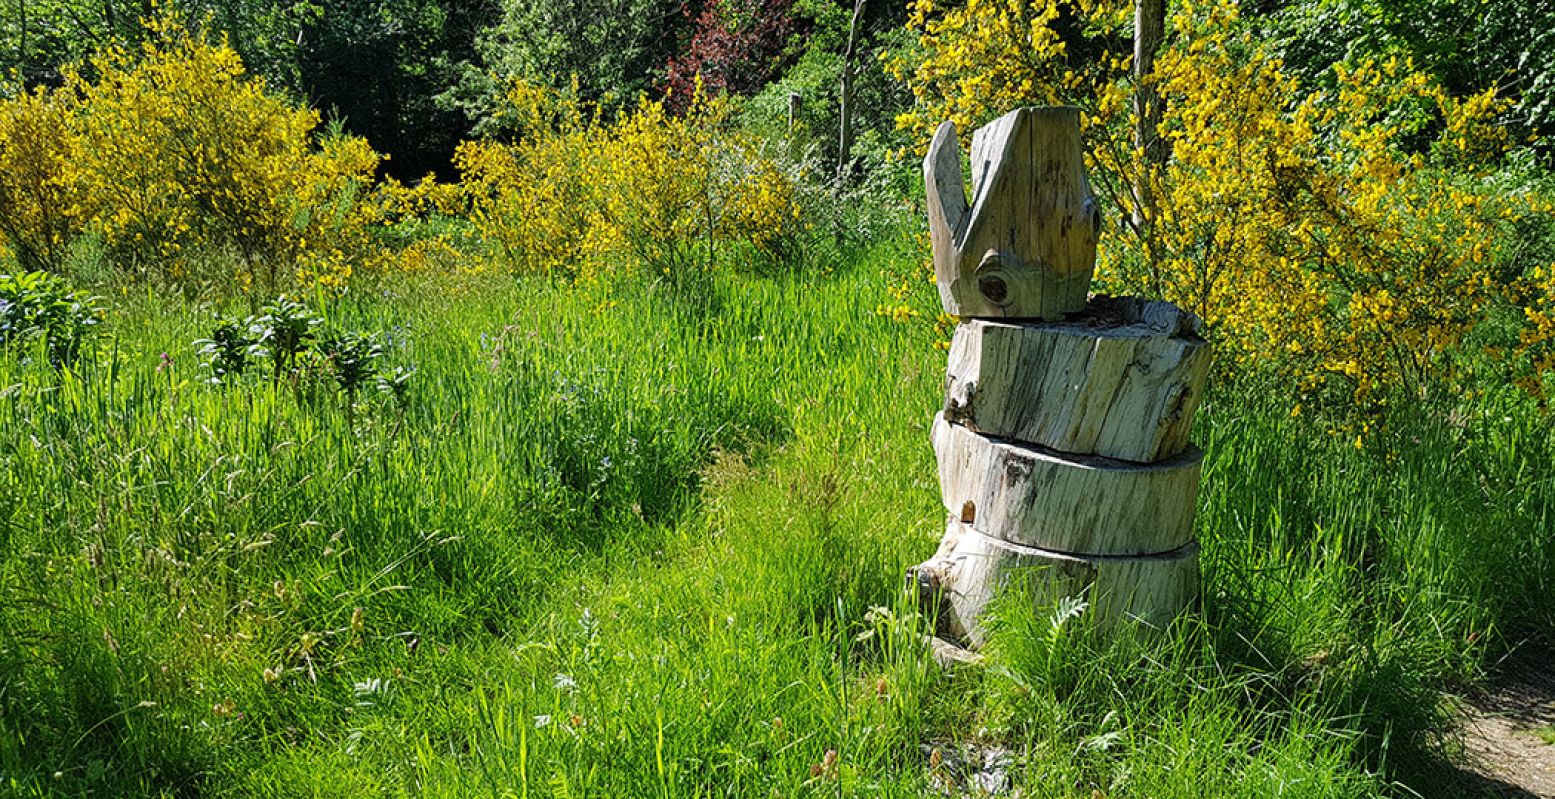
(1063, 442)
(1062, 502)
(971, 567)
(1026, 245)
(1122, 379)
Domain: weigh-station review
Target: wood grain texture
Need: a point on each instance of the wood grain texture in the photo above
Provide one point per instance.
(972, 568)
(1025, 246)
(1066, 503)
(1122, 379)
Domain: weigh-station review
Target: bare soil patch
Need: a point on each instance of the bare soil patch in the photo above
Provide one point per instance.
(1509, 729)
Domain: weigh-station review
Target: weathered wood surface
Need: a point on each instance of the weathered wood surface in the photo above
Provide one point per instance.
(1122, 379)
(1067, 503)
(971, 568)
(1025, 247)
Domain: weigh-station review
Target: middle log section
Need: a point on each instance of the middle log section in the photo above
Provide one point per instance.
(1063, 502)
(1121, 378)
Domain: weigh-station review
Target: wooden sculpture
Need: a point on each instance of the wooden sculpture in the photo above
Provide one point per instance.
(1026, 245)
(1063, 441)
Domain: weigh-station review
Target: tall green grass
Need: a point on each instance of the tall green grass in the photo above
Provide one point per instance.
(626, 540)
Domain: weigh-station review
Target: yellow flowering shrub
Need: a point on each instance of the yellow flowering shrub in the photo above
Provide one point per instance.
(39, 206)
(1312, 228)
(574, 190)
(173, 148)
(531, 199)
(1537, 338)
(973, 61)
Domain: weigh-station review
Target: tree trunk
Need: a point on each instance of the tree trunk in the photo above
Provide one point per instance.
(845, 95)
(1149, 30)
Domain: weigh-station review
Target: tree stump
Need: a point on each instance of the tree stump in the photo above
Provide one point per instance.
(1069, 503)
(1063, 444)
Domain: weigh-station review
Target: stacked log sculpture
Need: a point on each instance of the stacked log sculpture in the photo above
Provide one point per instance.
(1063, 443)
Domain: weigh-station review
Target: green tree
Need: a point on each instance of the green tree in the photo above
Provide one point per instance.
(1465, 45)
(816, 76)
(380, 66)
(37, 37)
(617, 49)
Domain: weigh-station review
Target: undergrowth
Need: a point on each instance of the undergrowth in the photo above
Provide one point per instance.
(616, 540)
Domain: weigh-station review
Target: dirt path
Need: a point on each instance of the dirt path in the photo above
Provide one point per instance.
(1502, 732)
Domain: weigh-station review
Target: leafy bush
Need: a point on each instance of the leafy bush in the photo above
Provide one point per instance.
(228, 350)
(284, 329)
(39, 206)
(1463, 44)
(172, 150)
(611, 50)
(1340, 233)
(175, 147)
(737, 45)
(353, 363)
(35, 306)
(667, 190)
(287, 334)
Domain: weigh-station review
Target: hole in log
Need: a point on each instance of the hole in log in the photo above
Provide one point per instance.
(958, 402)
(968, 512)
(994, 288)
(1179, 403)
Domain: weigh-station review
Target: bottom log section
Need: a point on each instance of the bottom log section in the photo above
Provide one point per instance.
(970, 568)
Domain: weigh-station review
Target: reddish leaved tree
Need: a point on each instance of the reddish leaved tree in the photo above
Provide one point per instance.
(737, 46)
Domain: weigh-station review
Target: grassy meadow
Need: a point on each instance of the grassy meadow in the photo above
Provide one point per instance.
(632, 539)
(508, 398)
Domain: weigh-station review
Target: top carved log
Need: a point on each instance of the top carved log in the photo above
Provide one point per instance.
(1026, 245)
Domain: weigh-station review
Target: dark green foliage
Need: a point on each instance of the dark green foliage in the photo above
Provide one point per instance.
(38, 36)
(286, 333)
(228, 349)
(285, 329)
(616, 49)
(352, 360)
(380, 67)
(36, 307)
(877, 100)
(1468, 45)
